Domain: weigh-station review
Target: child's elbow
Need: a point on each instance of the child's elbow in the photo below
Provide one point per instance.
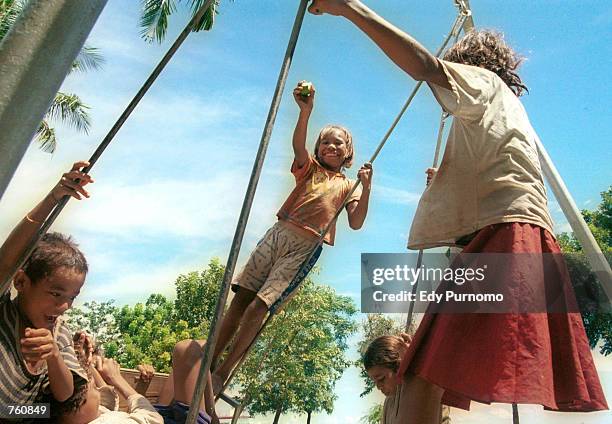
(355, 225)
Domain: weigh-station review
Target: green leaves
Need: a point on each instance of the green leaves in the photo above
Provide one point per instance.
(301, 355)
(154, 19)
(155, 15)
(88, 59)
(597, 324)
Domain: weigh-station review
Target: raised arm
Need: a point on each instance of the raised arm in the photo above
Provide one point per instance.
(358, 210)
(405, 51)
(305, 103)
(17, 242)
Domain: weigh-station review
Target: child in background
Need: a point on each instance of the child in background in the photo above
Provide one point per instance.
(489, 196)
(321, 187)
(381, 361)
(100, 403)
(35, 344)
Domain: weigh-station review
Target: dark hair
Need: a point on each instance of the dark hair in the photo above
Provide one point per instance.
(487, 49)
(384, 351)
(54, 251)
(73, 403)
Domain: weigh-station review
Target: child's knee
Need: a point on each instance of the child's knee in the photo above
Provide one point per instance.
(188, 350)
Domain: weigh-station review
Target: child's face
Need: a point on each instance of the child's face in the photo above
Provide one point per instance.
(48, 298)
(333, 150)
(384, 379)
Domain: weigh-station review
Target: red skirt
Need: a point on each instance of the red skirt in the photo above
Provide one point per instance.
(534, 358)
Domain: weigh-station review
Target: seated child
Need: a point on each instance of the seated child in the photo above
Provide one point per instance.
(101, 404)
(382, 361)
(321, 187)
(38, 361)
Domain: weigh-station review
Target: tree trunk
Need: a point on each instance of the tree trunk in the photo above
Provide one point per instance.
(308, 419)
(277, 415)
(30, 75)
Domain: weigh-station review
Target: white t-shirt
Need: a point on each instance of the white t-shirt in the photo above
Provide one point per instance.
(490, 172)
(140, 411)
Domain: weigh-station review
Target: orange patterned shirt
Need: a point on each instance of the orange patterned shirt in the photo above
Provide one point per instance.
(317, 196)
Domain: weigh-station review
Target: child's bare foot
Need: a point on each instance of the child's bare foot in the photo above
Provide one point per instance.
(217, 383)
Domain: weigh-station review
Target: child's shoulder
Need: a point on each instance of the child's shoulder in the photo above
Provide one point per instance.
(8, 310)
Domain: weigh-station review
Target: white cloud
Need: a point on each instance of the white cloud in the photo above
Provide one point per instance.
(206, 208)
(394, 195)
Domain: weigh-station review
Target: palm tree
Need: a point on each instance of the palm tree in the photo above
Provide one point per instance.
(66, 107)
(155, 14)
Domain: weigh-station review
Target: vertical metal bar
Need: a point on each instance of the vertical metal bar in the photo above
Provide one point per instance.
(515, 414)
(597, 260)
(109, 137)
(244, 215)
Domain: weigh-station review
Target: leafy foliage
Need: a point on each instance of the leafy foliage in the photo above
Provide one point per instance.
(301, 355)
(597, 323)
(197, 294)
(155, 15)
(88, 59)
(374, 415)
(97, 319)
(149, 333)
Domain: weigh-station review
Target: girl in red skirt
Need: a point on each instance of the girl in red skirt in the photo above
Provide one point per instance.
(489, 196)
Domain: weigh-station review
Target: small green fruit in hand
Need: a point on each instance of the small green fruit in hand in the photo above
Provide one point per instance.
(305, 88)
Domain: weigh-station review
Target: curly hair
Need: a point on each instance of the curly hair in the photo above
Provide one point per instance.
(54, 251)
(487, 49)
(384, 351)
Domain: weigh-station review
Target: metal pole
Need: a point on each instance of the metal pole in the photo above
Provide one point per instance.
(597, 260)
(109, 137)
(244, 215)
(515, 414)
(420, 255)
(35, 57)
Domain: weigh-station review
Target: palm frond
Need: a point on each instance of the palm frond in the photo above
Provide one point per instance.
(69, 108)
(9, 10)
(208, 19)
(154, 19)
(89, 58)
(45, 135)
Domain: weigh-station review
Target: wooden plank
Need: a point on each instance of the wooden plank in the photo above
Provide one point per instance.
(150, 390)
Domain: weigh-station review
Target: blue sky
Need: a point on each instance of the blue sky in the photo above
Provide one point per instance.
(170, 186)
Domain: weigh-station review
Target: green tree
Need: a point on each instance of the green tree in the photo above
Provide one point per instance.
(97, 319)
(374, 415)
(197, 294)
(149, 332)
(299, 358)
(597, 322)
(155, 15)
(67, 108)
